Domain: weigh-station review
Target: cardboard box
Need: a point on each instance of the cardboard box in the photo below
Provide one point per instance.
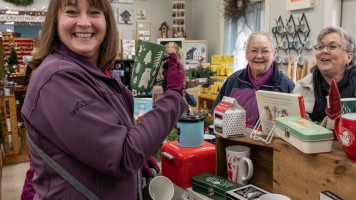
(212, 186)
(142, 106)
(303, 134)
(229, 118)
(327, 195)
(248, 192)
(180, 164)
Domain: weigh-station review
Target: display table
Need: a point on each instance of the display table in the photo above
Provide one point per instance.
(281, 168)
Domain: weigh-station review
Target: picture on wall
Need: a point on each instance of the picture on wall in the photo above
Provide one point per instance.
(141, 14)
(125, 16)
(128, 48)
(179, 41)
(196, 52)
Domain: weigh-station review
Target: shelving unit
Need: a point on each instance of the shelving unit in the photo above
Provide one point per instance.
(123, 68)
(14, 138)
(23, 47)
(208, 98)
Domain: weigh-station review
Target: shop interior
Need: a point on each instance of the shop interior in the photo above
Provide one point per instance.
(213, 49)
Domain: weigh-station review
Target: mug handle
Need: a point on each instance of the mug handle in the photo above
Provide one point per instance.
(250, 168)
(336, 127)
(154, 175)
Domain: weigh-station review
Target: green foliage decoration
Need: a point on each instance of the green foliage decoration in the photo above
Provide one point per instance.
(20, 2)
(199, 72)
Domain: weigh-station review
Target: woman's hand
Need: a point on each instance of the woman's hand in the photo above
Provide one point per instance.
(174, 75)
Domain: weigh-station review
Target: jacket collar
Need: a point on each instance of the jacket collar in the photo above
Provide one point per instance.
(82, 61)
(243, 75)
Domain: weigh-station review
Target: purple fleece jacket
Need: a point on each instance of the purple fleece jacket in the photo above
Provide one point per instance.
(84, 121)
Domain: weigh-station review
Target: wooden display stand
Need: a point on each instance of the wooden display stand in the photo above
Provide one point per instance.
(281, 168)
(18, 151)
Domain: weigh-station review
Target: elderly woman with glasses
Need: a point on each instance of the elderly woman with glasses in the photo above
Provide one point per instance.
(334, 60)
(261, 73)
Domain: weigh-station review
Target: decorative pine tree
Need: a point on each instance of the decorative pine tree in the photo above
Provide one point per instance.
(13, 57)
(12, 60)
(148, 58)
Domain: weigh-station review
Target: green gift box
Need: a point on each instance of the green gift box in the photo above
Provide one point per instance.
(212, 186)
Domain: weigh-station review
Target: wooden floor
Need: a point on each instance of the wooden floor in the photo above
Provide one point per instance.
(13, 177)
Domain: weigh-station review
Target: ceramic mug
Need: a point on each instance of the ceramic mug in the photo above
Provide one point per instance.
(285, 44)
(278, 59)
(146, 65)
(345, 131)
(308, 44)
(285, 60)
(300, 60)
(348, 105)
(159, 188)
(274, 197)
(290, 28)
(239, 165)
(277, 29)
(297, 45)
(291, 45)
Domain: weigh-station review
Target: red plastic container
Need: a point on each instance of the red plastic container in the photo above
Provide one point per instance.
(180, 164)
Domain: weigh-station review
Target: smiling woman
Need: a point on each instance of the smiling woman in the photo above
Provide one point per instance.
(261, 73)
(334, 61)
(88, 128)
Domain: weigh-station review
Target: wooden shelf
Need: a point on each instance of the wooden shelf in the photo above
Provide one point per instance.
(281, 168)
(208, 98)
(18, 151)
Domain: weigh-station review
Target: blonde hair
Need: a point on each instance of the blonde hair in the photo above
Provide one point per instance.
(179, 51)
(49, 39)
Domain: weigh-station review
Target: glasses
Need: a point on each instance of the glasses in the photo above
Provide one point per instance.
(255, 52)
(330, 47)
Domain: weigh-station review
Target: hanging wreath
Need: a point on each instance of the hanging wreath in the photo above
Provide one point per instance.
(234, 9)
(20, 2)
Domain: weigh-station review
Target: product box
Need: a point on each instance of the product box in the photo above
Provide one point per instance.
(142, 106)
(212, 186)
(180, 164)
(303, 134)
(229, 118)
(278, 104)
(248, 192)
(327, 195)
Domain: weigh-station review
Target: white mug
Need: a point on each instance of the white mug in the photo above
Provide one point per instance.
(274, 197)
(159, 188)
(239, 165)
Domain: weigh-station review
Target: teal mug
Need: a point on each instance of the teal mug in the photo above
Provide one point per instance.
(149, 57)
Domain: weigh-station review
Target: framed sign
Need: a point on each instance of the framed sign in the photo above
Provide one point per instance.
(144, 31)
(195, 53)
(128, 49)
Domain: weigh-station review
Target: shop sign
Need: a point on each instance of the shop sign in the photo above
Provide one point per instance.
(22, 18)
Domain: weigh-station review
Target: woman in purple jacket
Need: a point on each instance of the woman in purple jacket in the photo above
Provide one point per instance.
(80, 113)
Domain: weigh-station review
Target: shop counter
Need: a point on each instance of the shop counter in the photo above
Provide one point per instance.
(281, 168)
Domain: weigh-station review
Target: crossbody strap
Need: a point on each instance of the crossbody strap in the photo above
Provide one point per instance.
(63, 173)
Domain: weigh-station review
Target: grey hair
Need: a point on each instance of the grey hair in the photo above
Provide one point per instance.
(348, 39)
(271, 39)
